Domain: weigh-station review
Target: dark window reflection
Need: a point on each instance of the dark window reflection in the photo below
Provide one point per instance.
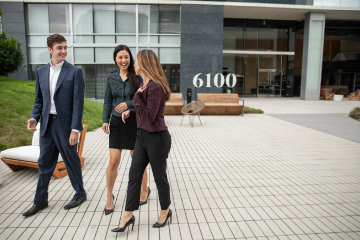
(95, 79)
(172, 73)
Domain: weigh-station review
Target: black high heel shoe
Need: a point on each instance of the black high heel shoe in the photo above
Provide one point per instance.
(131, 221)
(144, 202)
(108, 211)
(159, 225)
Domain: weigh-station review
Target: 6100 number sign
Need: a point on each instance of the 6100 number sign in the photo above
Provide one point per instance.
(230, 80)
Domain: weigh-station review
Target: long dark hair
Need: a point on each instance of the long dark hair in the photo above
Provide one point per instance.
(133, 78)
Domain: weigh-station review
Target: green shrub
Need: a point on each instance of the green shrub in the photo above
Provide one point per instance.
(11, 56)
(355, 113)
(252, 110)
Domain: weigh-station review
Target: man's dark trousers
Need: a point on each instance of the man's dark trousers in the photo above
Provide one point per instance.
(56, 140)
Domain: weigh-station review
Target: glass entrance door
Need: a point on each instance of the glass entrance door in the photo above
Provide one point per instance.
(269, 82)
(260, 75)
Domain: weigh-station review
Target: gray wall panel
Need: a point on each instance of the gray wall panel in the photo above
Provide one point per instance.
(201, 45)
(13, 18)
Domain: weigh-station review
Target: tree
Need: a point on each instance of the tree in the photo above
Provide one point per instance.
(11, 56)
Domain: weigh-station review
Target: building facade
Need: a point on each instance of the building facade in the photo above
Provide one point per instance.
(258, 48)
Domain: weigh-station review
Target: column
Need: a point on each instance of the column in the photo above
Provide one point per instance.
(201, 46)
(312, 56)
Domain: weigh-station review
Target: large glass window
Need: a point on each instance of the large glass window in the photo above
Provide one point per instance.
(234, 38)
(125, 18)
(38, 40)
(38, 18)
(148, 18)
(83, 23)
(84, 55)
(39, 55)
(104, 18)
(59, 18)
(96, 29)
(251, 35)
(104, 22)
(125, 40)
(341, 55)
(258, 66)
(104, 55)
(169, 19)
(149, 39)
(169, 55)
(295, 2)
(270, 39)
(337, 3)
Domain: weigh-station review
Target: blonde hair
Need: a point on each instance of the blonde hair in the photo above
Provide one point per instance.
(151, 67)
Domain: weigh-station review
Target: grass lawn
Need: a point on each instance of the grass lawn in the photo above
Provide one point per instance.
(17, 100)
(252, 110)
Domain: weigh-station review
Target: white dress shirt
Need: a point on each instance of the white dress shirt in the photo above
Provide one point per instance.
(54, 75)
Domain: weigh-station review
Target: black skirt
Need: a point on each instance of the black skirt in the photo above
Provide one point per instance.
(122, 135)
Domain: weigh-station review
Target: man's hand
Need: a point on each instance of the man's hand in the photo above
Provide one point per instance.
(105, 128)
(121, 107)
(31, 125)
(125, 115)
(74, 138)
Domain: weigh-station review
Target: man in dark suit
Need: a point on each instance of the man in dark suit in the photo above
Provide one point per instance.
(59, 102)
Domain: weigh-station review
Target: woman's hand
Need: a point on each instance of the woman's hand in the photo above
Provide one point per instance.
(125, 115)
(141, 89)
(105, 128)
(121, 107)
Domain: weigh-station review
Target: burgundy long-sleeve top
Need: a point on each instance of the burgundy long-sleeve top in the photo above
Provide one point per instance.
(149, 108)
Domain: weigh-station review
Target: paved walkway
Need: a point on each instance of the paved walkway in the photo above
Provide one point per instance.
(326, 116)
(235, 177)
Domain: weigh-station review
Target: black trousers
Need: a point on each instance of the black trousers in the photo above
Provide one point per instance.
(55, 140)
(150, 148)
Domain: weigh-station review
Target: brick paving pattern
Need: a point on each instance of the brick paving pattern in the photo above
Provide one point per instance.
(235, 177)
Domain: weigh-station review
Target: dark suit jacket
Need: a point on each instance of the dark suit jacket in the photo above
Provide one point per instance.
(68, 97)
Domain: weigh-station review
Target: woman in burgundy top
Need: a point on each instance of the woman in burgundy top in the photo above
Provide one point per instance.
(153, 140)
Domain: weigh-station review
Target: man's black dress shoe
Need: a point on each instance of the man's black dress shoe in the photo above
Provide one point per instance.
(35, 209)
(74, 203)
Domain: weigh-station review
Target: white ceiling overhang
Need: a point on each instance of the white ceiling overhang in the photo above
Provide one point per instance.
(286, 12)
